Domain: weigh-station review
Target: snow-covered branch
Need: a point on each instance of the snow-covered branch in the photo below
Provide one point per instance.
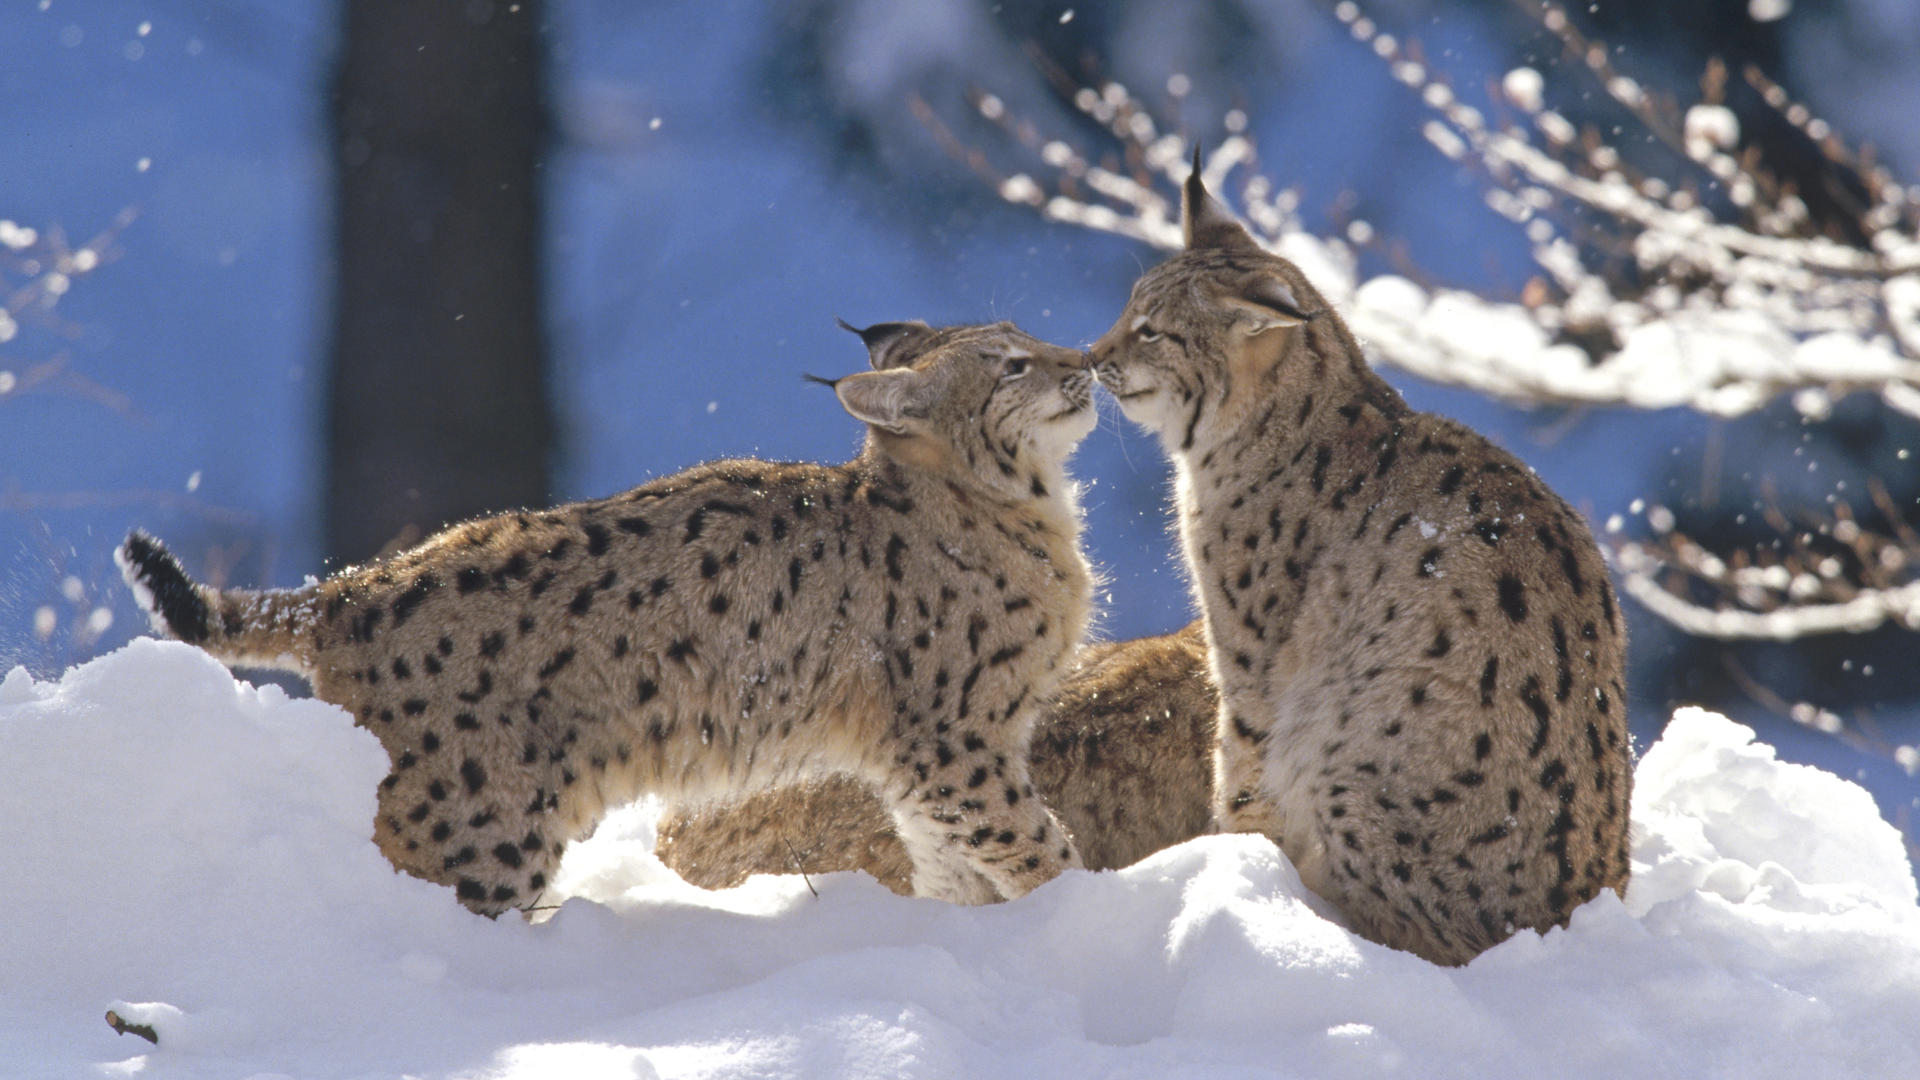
(1647, 297)
(1817, 577)
(37, 269)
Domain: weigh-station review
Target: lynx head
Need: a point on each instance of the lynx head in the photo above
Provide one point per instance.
(1209, 330)
(988, 402)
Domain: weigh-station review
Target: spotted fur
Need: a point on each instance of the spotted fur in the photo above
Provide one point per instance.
(1122, 756)
(1420, 660)
(740, 625)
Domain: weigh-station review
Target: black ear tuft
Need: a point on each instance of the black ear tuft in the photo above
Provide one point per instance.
(1203, 221)
(890, 344)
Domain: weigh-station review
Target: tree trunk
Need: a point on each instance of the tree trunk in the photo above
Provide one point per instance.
(437, 402)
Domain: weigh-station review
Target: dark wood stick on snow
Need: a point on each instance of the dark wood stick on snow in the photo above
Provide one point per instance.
(121, 1027)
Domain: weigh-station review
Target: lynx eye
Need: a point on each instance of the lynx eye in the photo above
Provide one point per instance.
(1016, 366)
(1144, 332)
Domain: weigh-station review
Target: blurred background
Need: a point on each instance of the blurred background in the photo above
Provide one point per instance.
(289, 282)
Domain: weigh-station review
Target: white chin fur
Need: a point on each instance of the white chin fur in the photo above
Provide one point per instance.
(1082, 423)
(1057, 439)
(1149, 412)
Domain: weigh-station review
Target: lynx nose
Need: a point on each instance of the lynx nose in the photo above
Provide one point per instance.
(1099, 351)
(1069, 358)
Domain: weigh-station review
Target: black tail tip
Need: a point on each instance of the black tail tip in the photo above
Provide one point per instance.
(162, 587)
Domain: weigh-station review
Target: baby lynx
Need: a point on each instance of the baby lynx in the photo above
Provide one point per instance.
(901, 617)
(1121, 756)
(1417, 650)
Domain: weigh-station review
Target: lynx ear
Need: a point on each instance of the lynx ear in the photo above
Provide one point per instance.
(1203, 221)
(1268, 304)
(1253, 352)
(889, 400)
(890, 344)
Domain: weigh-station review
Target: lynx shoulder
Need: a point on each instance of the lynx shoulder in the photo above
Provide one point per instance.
(1122, 756)
(740, 625)
(1420, 660)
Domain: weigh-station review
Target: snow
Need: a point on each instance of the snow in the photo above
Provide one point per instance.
(192, 852)
(1725, 361)
(1710, 128)
(1522, 86)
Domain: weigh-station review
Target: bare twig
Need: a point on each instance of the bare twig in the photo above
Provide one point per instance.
(41, 502)
(800, 867)
(1823, 576)
(122, 1027)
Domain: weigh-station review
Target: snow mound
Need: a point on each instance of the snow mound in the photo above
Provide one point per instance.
(192, 852)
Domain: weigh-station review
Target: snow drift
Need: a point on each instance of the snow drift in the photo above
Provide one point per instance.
(192, 852)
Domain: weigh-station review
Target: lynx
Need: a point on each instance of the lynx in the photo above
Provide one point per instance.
(1121, 756)
(1419, 656)
(900, 617)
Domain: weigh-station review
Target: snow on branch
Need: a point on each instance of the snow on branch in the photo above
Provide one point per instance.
(1646, 298)
(38, 268)
(1818, 576)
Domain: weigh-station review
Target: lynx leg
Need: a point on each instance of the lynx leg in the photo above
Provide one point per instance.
(975, 828)
(834, 823)
(941, 868)
(1240, 802)
(491, 838)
